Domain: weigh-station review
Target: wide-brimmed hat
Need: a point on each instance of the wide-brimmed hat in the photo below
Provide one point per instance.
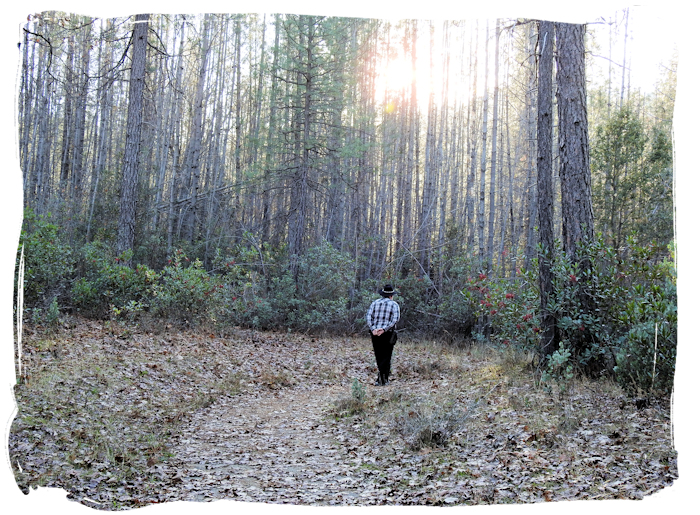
(388, 290)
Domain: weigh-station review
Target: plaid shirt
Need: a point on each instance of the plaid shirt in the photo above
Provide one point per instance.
(383, 314)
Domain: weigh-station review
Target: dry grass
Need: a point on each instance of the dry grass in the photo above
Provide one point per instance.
(466, 405)
(424, 424)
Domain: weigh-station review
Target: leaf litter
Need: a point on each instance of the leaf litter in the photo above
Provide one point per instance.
(122, 418)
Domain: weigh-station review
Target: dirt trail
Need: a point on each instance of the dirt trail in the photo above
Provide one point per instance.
(123, 424)
(268, 446)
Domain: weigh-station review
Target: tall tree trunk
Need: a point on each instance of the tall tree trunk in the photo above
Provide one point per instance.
(412, 151)
(429, 172)
(78, 158)
(530, 206)
(162, 133)
(102, 139)
(549, 337)
(137, 79)
(306, 75)
(575, 172)
(217, 152)
(271, 128)
(238, 125)
(66, 139)
(27, 109)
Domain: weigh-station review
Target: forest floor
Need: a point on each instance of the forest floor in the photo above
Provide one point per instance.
(121, 417)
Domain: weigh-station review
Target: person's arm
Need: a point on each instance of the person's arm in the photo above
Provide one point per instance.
(395, 316)
(369, 316)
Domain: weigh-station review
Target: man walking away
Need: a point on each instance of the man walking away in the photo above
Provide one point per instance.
(382, 316)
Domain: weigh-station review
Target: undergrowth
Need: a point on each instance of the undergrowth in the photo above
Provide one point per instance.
(616, 317)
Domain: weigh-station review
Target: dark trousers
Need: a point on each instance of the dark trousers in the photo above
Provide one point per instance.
(383, 348)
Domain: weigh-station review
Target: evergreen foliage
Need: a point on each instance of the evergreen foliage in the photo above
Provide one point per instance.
(48, 260)
(632, 170)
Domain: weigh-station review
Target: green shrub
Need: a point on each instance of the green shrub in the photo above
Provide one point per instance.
(151, 250)
(324, 315)
(326, 276)
(646, 354)
(247, 297)
(631, 328)
(264, 295)
(508, 305)
(48, 317)
(107, 286)
(358, 392)
(353, 405)
(459, 305)
(185, 291)
(417, 298)
(559, 368)
(48, 262)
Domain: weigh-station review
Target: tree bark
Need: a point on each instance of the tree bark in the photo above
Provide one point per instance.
(174, 144)
(575, 172)
(549, 336)
(137, 79)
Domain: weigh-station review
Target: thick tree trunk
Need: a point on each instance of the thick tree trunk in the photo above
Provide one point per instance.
(306, 75)
(78, 157)
(549, 337)
(127, 206)
(575, 171)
